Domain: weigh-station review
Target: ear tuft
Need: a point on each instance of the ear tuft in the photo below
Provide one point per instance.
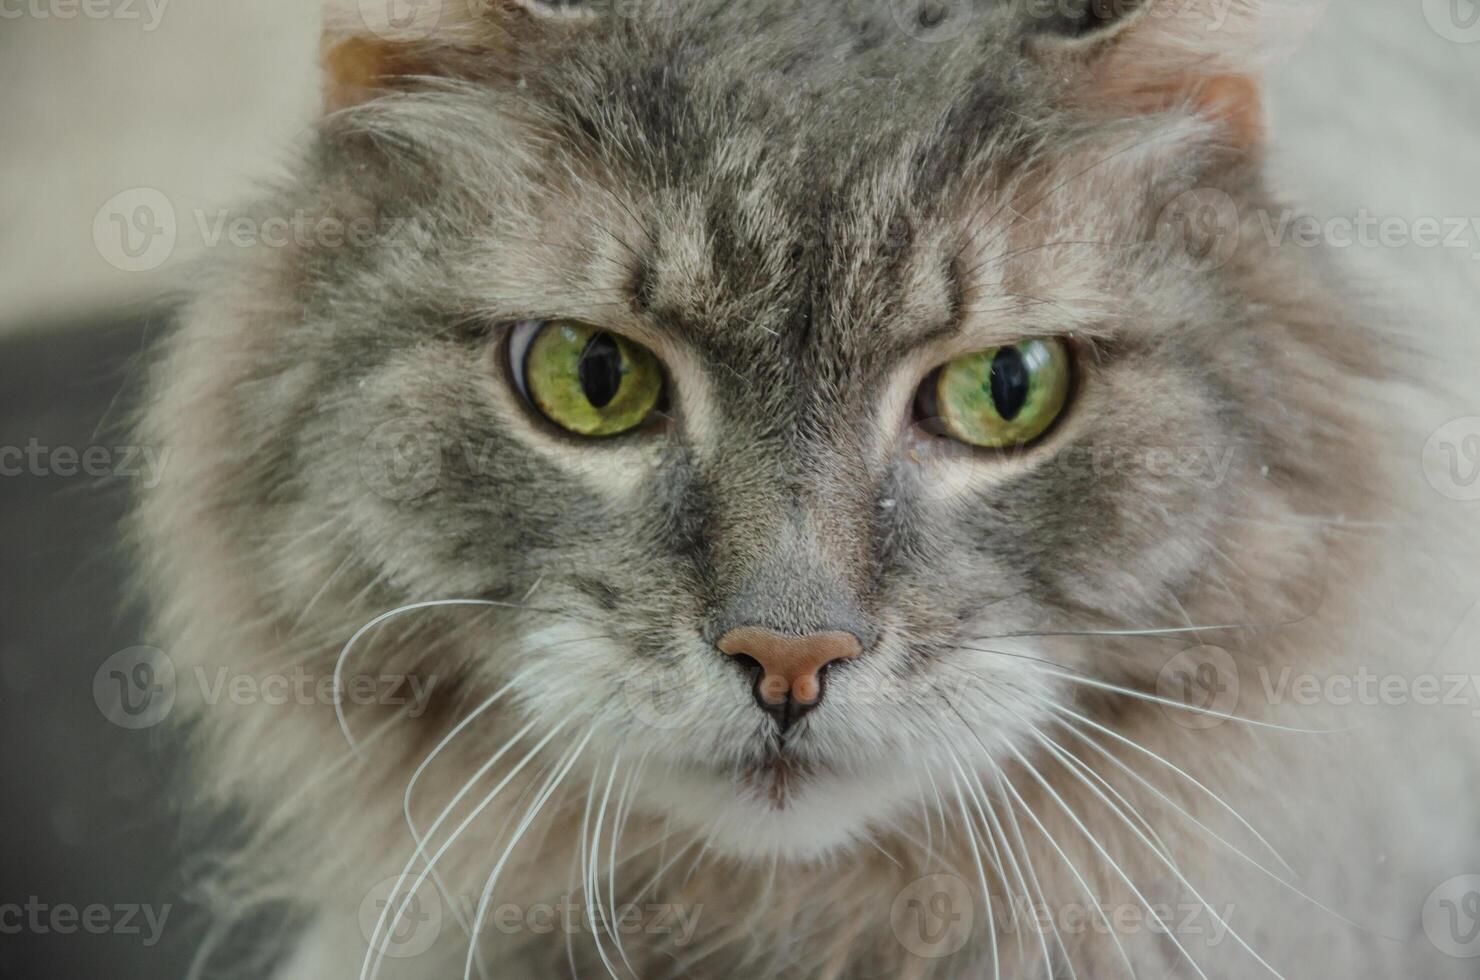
(370, 46)
(1234, 101)
(1142, 56)
(356, 68)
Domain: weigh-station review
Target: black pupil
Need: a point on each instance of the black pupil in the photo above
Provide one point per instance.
(600, 369)
(1009, 382)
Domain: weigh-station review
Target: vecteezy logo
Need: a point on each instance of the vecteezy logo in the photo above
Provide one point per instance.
(399, 922)
(401, 459)
(135, 229)
(665, 695)
(1454, 20)
(1202, 228)
(1451, 917)
(1451, 459)
(401, 19)
(135, 688)
(932, 917)
(931, 20)
(1205, 678)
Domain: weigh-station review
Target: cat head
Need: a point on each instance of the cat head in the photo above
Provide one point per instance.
(805, 388)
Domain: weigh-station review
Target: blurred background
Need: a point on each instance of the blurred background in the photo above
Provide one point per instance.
(131, 127)
(185, 103)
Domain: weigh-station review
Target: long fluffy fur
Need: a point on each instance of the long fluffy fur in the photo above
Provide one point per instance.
(651, 173)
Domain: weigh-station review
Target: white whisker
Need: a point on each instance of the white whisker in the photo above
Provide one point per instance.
(344, 653)
(418, 840)
(486, 897)
(589, 859)
(1087, 771)
(619, 821)
(1100, 849)
(1064, 674)
(1171, 866)
(1212, 833)
(925, 813)
(377, 949)
(1132, 744)
(604, 914)
(982, 877)
(419, 850)
(1017, 832)
(988, 812)
(1073, 870)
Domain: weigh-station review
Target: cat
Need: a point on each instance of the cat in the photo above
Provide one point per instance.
(825, 490)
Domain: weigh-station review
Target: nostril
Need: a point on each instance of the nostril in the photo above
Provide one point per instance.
(770, 691)
(787, 670)
(749, 666)
(807, 691)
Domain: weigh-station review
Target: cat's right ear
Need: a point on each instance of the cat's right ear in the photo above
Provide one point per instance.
(370, 47)
(1137, 56)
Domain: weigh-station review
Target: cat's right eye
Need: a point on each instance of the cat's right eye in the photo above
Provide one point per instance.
(584, 379)
(998, 398)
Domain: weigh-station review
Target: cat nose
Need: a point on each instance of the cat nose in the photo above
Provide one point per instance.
(791, 667)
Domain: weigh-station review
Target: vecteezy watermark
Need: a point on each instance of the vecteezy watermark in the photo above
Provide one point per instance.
(145, 463)
(147, 13)
(1451, 459)
(1454, 20)
(933, 917)
(932, 21)
(138, 687)
(137, 230)
(401, 19)
(667, 694)
(1451, 917)
(301, 229)
(402, 918)
(1370, 688)
(1198, 688)
(1200, 228)
(1367, 230)
(1205, 679)
(401, 459)
(676, 923)
(135, 688)
(41, 918)
(1205, 467)
(1183, 919)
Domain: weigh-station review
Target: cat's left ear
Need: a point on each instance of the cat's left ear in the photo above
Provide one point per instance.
(372, 46)
(1138, 56)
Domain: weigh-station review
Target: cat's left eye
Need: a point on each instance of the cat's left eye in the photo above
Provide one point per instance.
(998, 398)
(584, 379)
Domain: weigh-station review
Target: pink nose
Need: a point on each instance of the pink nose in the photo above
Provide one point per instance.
(790, 665)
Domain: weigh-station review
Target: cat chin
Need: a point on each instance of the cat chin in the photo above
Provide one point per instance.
(808, 819)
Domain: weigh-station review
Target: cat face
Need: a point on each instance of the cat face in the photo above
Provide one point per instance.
(775, 250)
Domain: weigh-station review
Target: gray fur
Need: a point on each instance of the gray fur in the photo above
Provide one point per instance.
(801, 207)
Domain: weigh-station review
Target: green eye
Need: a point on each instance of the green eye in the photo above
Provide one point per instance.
(1000, 397)
(583, 378)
